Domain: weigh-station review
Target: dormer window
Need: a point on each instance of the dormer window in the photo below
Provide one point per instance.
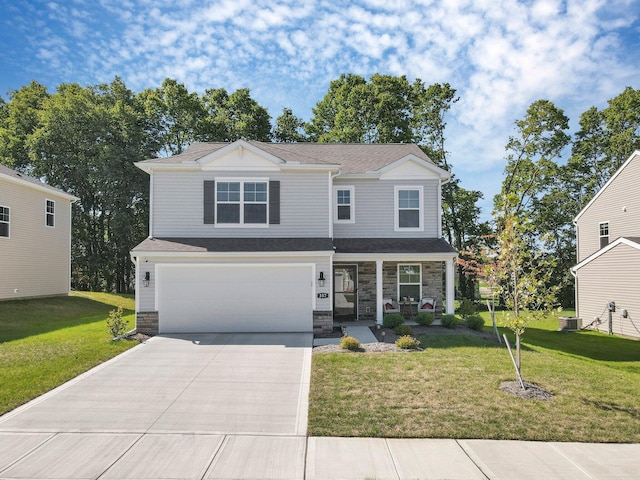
(604, 234)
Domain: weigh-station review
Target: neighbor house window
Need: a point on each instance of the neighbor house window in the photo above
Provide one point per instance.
(50, 213)
(409, 281)
(241, 202)
(344, 205)
(408, 203)
(4, 221)
(604, 234)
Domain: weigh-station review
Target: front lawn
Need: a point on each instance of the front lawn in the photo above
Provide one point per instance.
(451, 390)
(45, 342)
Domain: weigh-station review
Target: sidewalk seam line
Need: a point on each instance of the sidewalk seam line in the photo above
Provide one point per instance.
(472, 460)
(120, 457)
(393, 460)
(552, 445)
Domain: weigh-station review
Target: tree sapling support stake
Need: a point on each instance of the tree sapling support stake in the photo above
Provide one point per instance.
(515, 365)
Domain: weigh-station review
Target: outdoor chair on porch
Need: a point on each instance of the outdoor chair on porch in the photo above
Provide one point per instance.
(390, 306)
(427, 304)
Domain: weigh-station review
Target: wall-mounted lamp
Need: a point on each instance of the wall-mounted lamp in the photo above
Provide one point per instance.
(321, 280)
(147, 279)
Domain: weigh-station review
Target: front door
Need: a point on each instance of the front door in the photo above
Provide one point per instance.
(345, 292)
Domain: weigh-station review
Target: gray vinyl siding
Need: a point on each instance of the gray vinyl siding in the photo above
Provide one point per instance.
(35, 258)
(375, 209)
(614, 276)
(178, 205)
(608, 207)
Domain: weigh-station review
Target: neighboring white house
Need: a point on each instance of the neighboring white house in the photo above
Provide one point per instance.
(254, 236)
(35, 237)
(608, 245)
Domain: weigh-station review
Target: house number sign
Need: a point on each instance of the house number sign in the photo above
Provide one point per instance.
(323, 295)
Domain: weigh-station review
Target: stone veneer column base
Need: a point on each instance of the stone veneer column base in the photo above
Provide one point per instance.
(322, 321)
(147, 323)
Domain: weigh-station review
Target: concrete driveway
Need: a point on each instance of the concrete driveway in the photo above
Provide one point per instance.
(180, 406)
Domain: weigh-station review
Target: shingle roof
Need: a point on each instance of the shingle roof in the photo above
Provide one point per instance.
(4, 170)
(194, 245)
(392, 245)
(353, 157)
(341, 245)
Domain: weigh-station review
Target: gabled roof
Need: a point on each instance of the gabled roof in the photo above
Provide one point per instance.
(21, 178)
(633, 242)
(352, 158)
(609, 182)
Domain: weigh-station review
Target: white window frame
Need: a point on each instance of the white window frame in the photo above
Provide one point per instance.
(242, 202)
(396, 208)
(46, 213)
(601, 236)
(419, 265)
(8, 221)
(352, 205)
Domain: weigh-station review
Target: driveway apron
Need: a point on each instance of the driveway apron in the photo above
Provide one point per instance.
(181, 406)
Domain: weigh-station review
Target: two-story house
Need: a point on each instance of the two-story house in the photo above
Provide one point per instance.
(35, 237)
(608, 251)
(254, 237)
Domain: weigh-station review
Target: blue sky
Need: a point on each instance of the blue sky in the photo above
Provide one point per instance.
(500, 55)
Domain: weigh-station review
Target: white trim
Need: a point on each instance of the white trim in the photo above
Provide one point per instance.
(352, 203)
(213, 255)
(151, 198)
(238, 145)
(8, 222)
(443, 174)
(439, 209)
(450, 287)
(613, 177)
(394, 257)
(396, 211)
(379, 294)
(46, 213)
(604, 250)
(419, 264)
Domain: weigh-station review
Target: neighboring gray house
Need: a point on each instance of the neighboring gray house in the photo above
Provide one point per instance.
(608, 247)
(35, 237)
(253, 236)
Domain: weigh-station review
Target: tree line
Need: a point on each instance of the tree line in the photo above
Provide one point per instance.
(85, 140)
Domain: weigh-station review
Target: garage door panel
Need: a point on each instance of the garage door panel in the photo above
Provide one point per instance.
(235, 298)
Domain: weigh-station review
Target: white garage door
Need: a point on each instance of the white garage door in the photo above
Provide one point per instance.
(235, 298)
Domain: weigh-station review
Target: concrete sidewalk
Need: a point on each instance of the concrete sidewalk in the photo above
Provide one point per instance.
(197, 456)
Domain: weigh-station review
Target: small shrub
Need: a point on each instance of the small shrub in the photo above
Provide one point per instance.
(424, 318)
(115, 323)
(475, 322)
(467, 308)
(392, 320)
(408, 342)
(350, 343)
(450, 321)
(404, 330)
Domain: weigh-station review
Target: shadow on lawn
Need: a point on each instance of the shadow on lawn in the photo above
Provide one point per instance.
(594, 345)
(29, 317)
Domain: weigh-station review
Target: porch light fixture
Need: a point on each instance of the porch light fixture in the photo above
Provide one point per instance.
(147, 279)
(321, 280)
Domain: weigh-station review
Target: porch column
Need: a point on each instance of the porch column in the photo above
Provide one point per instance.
(450, 294)
(379, 292)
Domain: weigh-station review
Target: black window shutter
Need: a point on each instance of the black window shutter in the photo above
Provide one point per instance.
(209, 202)
(274, 202)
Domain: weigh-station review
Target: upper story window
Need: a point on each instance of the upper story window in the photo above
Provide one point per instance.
(408, 209)
(604, 234)
(50, 213)
(241, 202)
(4, 221)
(344, 205)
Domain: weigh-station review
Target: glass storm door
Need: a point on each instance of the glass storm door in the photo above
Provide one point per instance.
(345, 292)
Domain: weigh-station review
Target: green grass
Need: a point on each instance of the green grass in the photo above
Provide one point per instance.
(45, 342)
(451, 389)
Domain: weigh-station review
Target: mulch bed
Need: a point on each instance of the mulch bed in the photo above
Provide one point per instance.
(531, 391)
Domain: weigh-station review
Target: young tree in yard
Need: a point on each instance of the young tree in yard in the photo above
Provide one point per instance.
(527, 267)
